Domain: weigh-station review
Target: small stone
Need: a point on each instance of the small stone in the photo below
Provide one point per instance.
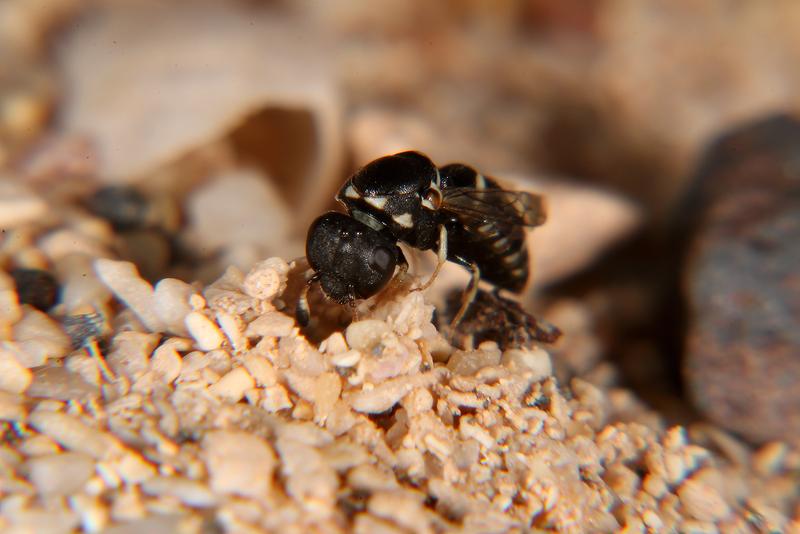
(132, 468)
(60, 474)
(39, 445)
(18, 205)
(207, 335)
(470, 362)
(367, 524)
(190, 492)
(652, 521)
(171, 300)
(62, 384)
(308, 479)
(346, 359)
(157, 524)
(166, 363)
(123, 279)
(82, 291)
(768, 460)
(402, 507)
(59, 244)
(219, 361)
(302, 356)
(328, 387)
(654, 485)
(231, 327)
(92, 511)
(238, 463)
(622, 480)
(702, 502)
(85, 365)
(74, 434)
(383, 396)
(122, 206)
(333, 344)
(366, 334)
(40, 338)
(261, 369)
(266, 279)
(271, 324)
(35, 287)
(11, 407)
(10, 310)
(130, 353)
(675, 438)
(675, 467)
(233, 385)
(275, 398)
(418, 402)
(14, 377)
(536, 361)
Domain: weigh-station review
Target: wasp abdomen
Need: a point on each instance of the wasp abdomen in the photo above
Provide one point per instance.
(499, 250)
(500, 253)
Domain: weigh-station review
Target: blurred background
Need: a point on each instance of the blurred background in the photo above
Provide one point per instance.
(210, 134)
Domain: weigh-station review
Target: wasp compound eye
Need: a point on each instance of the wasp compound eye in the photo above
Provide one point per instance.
(433, 196)
(351, 260)
(382, 259)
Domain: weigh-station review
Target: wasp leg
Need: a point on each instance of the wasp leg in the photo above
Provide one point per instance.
(441, 260)
(402, 265)
(301, 311)
(469, 292)
(353, 305)
(399, 279)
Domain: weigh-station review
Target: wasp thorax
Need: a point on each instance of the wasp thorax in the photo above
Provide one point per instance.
(400, 174)
(399, 192)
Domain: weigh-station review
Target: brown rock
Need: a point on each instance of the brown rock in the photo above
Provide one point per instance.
(743, 349)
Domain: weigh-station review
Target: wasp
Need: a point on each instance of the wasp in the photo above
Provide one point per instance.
(466, 217)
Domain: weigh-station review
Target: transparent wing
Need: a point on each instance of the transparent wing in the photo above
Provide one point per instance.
(475, 207)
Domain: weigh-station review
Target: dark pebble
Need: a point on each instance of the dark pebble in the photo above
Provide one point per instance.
(35, 287)
(742, 282)
(124, 207)
(84, 328)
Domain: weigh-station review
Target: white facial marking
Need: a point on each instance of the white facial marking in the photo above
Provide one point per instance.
(427, 203)
(405, 220)
(351, 192)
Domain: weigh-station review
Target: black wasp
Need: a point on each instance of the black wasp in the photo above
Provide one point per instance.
(466, 217)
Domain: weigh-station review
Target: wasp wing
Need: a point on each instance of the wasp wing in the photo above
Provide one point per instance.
(475, 207)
